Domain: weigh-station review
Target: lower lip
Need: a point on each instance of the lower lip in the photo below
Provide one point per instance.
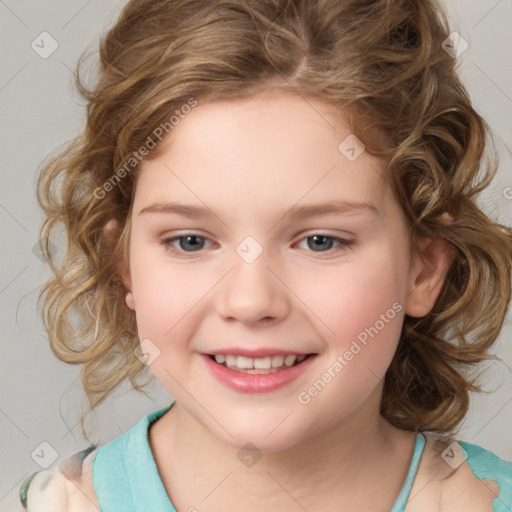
(256, 383)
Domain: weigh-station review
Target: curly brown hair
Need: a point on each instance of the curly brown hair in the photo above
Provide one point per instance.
(383, 62)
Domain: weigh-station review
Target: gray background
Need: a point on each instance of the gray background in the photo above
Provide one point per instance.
(41, 398)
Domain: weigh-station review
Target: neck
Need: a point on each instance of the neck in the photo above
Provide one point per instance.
(345, 463)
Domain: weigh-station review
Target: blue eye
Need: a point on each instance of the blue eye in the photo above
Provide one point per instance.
(196, 242)
(191, 240)
(319, 241)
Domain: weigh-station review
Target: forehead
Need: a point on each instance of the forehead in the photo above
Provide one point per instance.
(270, 150)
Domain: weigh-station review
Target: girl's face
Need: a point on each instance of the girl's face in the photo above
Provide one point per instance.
(256, 234)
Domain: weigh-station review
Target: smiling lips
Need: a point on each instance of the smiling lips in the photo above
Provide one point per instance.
(264, 373)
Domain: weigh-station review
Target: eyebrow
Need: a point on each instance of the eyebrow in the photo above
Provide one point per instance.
(295, 212)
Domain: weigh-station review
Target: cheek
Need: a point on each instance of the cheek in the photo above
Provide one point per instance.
(352, 297)
(361, 313)
(164, 296)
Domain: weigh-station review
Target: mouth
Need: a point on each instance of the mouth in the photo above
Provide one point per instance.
(260, 365)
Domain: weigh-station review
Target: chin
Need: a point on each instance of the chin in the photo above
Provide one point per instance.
(270, 437)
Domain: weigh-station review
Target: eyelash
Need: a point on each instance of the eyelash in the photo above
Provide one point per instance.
(167, 243)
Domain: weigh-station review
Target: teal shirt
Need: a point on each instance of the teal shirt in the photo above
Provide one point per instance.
(125, 476)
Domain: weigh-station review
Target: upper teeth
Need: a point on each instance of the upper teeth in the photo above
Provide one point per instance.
(258, 362)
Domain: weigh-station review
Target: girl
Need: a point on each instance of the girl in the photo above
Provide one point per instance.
(226, 143)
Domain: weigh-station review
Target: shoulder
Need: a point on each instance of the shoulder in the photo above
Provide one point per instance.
(486, 477)
(486, 464)
(69, 486)
(457, 476)
(65, 487)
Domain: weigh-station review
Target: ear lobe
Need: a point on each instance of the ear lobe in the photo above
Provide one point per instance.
(112, 232)
(125, 276)
(130, 301)
(127, 281)
(427, 276)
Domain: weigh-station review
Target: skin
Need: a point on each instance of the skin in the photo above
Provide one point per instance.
(250, 161)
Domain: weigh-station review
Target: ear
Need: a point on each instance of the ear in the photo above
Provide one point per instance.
(125, 275)
(113, 231)
(427, 275)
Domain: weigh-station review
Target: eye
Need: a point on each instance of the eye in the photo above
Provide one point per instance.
(322, 241)
(191, 240)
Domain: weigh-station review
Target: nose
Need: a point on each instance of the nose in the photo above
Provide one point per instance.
(253, 292)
